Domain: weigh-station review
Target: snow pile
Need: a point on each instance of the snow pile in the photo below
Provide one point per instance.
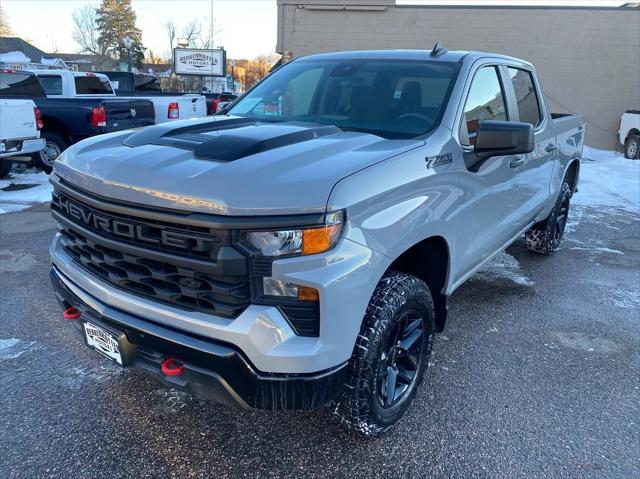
(14, 57)
(608, 179)
(33, 188)
(502, 267)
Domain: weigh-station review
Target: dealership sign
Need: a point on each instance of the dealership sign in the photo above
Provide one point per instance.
(191, 61)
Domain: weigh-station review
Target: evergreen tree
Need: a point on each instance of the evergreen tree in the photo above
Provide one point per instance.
(116, 20)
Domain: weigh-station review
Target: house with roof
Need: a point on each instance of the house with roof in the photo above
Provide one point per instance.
(17, 54)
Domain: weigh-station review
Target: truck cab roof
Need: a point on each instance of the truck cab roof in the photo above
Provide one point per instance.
(449, 56)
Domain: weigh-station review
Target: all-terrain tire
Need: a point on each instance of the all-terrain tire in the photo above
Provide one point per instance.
(362, 407)
(55, 145)
(5, 168)
(545, 237)
(632, 147)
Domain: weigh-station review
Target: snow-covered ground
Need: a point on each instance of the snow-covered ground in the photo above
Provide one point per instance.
(33, 188)
(608, 179)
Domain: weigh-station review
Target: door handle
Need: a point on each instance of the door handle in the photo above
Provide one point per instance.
(550, 148)
(516, 163)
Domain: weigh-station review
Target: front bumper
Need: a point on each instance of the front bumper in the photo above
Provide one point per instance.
(23, 148)
(212, 370)
(344, 276)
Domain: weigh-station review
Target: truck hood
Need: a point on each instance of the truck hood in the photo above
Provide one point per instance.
(227, 166)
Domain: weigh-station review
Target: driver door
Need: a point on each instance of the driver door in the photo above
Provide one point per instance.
(487, 218)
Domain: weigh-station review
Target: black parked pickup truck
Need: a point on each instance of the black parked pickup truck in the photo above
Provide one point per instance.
(69, 120)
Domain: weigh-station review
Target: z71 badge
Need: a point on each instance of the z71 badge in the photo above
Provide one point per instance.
(439, 160)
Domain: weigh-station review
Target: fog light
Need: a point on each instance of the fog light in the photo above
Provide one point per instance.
(275, 287)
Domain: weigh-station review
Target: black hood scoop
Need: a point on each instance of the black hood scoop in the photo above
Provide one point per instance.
(232, 139)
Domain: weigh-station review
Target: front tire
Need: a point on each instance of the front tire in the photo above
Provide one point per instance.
(545, 237)
(45, 158)
(390, 357)
(632, 147)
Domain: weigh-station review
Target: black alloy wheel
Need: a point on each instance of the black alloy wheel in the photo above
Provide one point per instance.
(400, 359)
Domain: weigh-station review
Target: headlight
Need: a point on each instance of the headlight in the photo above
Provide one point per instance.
(298, 241)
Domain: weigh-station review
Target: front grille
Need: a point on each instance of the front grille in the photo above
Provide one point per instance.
(184, 260)
(160, 281)
(186, 240)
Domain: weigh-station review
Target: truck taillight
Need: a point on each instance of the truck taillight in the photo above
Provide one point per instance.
(98, 117)
(214, 108)
(173, 112)
(38, 115)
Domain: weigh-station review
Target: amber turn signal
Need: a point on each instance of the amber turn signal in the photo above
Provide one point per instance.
(318, 240)
(306, 293)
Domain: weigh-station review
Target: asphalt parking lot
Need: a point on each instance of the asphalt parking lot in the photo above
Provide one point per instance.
(536, 375)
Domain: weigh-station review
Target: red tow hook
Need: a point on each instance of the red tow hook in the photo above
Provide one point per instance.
(71, 313)
(172, 367)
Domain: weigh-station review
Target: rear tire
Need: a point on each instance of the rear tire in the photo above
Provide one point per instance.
(632, 147)
(5, 168)
(55, 145)
(390, 357)
(545, 237)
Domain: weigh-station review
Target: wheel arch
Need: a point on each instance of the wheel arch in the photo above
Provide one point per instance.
(429, 260)
(53, 125)
(572, 174)
(632, 132)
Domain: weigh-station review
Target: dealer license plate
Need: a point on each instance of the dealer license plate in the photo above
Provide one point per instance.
(102, 341)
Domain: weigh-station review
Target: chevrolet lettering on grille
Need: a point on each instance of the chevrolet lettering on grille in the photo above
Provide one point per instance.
(150, 234)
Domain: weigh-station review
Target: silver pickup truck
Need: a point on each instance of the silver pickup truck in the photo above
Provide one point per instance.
(300, 250)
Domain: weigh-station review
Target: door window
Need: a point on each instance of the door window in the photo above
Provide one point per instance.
(486, 101)
(52, 84)
(526, 96)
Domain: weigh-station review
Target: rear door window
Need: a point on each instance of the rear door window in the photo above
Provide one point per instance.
(485, 101)
(92, 85)
(52, 84)
(526, 96)
(14, 84)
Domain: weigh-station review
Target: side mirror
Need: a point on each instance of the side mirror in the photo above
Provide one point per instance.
(495, 138)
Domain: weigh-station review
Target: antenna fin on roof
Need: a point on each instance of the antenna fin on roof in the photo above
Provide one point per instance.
(438, 50)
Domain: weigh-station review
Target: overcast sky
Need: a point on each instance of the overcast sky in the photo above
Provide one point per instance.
(247, 27)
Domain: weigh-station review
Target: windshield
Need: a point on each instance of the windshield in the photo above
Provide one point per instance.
(393, 99)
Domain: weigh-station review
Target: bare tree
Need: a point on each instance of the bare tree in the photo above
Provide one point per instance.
(5, 29)
(170, 27)
(84, 31)
(191, 33)
(258, 68)
(195, 35)
(154, 59)
(207, 38)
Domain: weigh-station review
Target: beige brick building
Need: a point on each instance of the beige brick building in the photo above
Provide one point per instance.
(588, 59)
